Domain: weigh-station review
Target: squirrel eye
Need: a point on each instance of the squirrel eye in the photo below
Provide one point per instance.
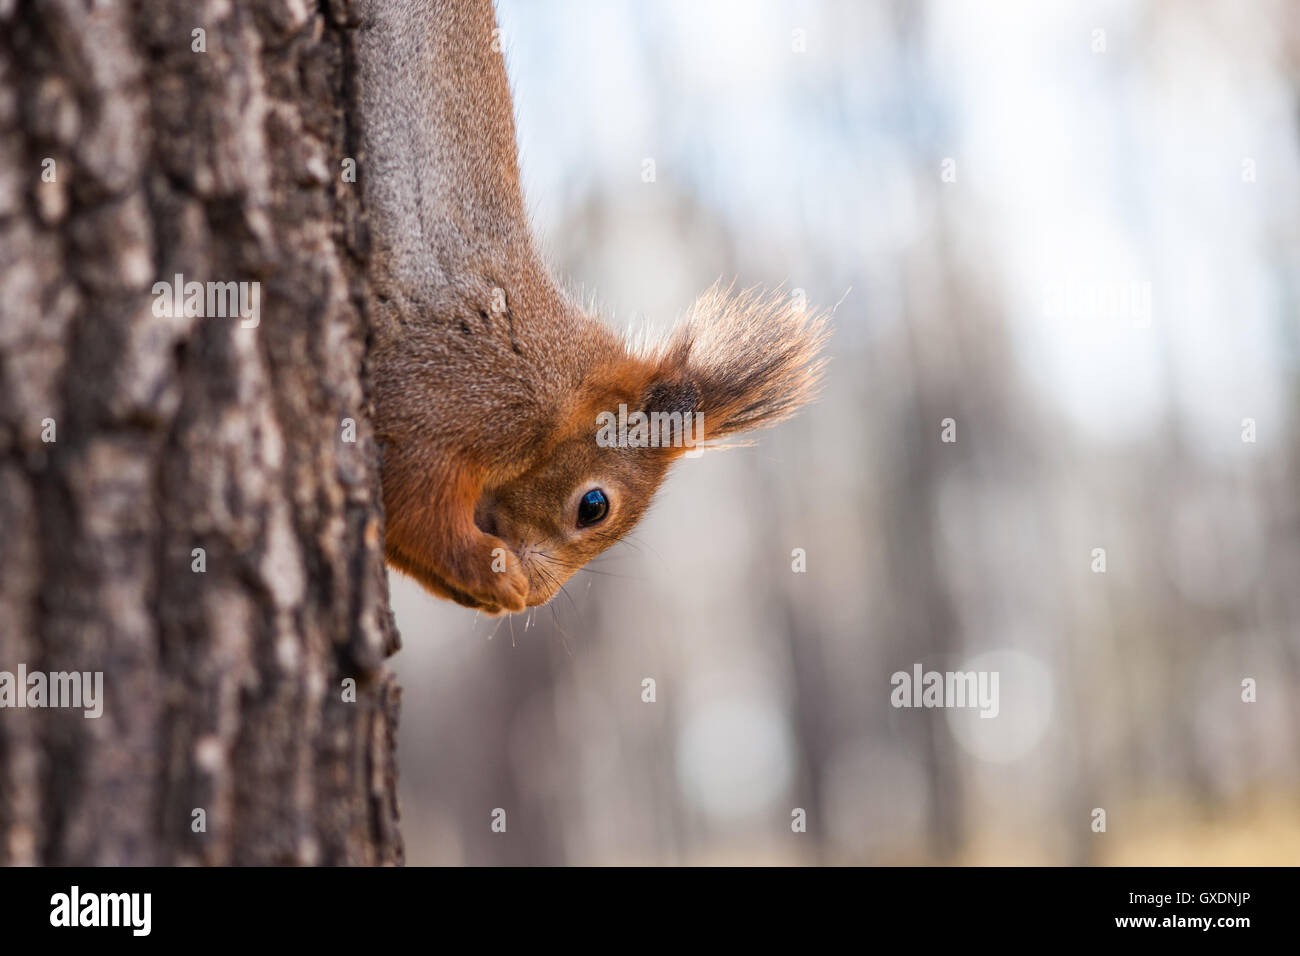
(592, 508)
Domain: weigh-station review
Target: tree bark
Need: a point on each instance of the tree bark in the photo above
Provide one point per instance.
(224, 688)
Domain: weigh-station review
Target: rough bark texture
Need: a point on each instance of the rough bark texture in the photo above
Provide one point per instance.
(223, 689)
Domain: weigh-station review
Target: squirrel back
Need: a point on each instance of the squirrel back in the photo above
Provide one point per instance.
(511, 420)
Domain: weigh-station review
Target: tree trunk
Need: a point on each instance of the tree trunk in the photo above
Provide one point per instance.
(130, 439)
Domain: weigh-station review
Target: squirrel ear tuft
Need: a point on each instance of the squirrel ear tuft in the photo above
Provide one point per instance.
(679, 397)
(744, 361)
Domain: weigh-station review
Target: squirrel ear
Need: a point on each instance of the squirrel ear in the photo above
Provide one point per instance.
(743, 361)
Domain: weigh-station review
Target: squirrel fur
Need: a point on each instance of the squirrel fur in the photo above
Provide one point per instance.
(488, 379)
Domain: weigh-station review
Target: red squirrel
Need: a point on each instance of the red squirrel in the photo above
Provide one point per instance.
(493, 391)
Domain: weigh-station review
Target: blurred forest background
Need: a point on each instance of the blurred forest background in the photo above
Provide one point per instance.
(1072, 228)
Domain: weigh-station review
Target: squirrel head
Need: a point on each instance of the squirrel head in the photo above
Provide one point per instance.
(734, 364)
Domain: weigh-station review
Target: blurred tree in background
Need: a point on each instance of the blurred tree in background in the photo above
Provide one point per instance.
(1091, 148)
